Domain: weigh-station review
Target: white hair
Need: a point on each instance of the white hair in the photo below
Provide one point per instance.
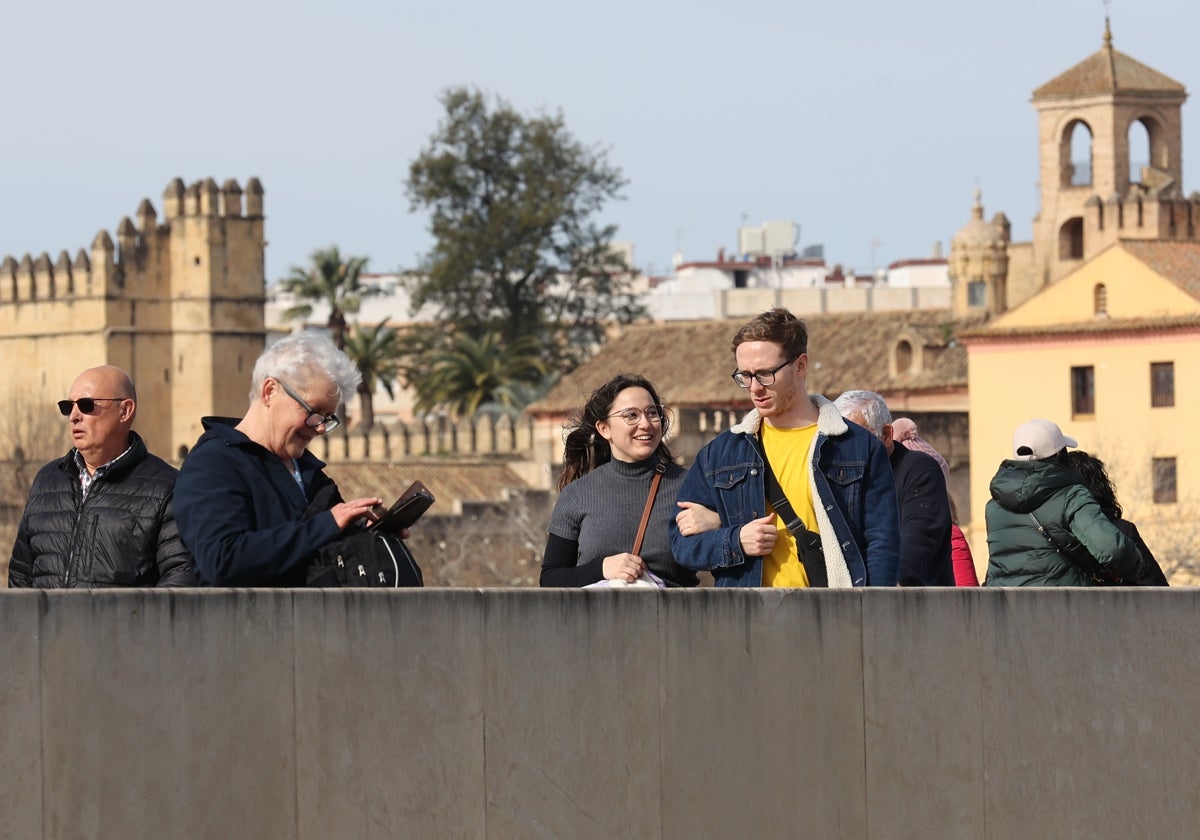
(874, 410)
(297, 358)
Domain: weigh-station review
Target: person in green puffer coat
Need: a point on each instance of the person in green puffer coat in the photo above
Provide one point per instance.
(1044, 528)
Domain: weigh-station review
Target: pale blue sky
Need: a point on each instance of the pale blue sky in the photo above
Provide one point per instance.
(859, 121)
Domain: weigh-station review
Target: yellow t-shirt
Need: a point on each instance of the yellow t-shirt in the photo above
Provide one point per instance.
(788, 452)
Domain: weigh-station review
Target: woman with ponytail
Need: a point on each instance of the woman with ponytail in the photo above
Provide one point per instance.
(613, 449)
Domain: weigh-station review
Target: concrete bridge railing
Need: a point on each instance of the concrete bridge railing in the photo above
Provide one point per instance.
(577, 714)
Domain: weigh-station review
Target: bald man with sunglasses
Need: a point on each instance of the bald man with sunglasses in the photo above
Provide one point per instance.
(101, 516)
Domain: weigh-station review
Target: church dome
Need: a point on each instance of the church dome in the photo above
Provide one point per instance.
(978, 232)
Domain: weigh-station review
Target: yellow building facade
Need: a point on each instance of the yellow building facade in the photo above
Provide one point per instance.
(1112, 354)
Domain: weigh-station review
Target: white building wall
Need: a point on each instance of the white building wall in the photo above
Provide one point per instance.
(919, 276)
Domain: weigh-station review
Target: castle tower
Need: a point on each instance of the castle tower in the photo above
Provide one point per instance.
(1097, 185)
(178, 303)
(218, 292)
(978, 264)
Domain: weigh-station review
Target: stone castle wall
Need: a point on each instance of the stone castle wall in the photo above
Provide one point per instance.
(178, 303)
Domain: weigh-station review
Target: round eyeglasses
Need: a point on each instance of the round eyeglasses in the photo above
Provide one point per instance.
(743, 378)
(633, 416)
(315, 419)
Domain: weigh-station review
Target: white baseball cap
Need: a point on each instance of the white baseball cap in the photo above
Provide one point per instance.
(1039, 439)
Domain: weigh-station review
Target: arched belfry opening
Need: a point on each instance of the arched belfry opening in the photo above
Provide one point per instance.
(1070, 240)
(1139, 150)
(1076, 154)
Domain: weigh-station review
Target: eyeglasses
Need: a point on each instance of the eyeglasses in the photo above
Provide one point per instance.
(87, 405)
(632, 416)
(315, 418)
(764, 377)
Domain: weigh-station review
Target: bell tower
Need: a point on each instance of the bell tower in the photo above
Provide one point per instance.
(1110, 138)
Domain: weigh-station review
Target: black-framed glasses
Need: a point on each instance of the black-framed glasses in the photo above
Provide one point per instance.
(632, 416)
(315, 418)
(764, 377)
(87, 405)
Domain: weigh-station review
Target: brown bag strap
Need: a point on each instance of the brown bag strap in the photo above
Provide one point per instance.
(654, 482)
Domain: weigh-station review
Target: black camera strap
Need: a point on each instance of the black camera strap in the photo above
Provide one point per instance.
(808, 543)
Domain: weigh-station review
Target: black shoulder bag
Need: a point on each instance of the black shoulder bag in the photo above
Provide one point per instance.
(808, 543)
(364, 557)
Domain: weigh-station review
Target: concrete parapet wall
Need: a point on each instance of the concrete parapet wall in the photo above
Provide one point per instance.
(482, 436)
(569, 713)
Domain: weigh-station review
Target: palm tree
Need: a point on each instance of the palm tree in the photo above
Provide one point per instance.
(376, 353)
(331, 282)
(510, 400)
(474, 371)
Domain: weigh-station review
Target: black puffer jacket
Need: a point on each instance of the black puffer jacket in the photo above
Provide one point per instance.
(123, 534)
(1079, 539)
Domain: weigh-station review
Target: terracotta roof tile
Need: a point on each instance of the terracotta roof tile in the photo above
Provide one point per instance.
(449, 481)
(690, 362)
(1101, 325)
(1178, 262)
(1108, 71)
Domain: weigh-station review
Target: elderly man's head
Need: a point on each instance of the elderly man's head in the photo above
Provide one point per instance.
(867, 409)
(100, 409)
(297, 385)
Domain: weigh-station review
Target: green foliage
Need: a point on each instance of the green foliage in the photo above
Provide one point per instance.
(518, 252)
(376, 352)
(332, 282)
(473, 372)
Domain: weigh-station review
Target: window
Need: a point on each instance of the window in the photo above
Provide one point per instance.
(1076, 152)
(1164, 480)
(977, 293)
(1070, 240)
(1100, 300)
(904, 356)
(1083, 391)
(1162, 384)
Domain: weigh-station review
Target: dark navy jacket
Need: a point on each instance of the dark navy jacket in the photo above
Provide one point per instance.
(240, 511)
(924, 519)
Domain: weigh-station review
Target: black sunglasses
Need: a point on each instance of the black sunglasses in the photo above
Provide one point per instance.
(87, 405)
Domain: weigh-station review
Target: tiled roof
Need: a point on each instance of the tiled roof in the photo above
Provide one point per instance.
(1099, 325)
(447, 480)
(690, 362)
(1178, 262)
(1108, 71)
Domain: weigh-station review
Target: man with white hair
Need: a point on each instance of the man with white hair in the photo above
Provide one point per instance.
(925, 521)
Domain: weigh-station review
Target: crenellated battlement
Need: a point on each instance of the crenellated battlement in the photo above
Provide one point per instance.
(110, 265)
(483, 436)
(177, 300)
(1140, 216)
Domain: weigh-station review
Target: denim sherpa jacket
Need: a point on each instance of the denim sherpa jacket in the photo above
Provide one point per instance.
(850, 474)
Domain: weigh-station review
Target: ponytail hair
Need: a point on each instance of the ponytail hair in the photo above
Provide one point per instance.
(584, 448)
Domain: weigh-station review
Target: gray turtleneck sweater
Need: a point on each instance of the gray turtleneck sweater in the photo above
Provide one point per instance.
(597, 515)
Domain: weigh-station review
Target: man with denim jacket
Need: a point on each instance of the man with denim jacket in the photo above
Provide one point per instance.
(835, 475)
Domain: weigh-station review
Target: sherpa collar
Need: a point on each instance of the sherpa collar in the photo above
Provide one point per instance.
(830, 423)
(829, 420)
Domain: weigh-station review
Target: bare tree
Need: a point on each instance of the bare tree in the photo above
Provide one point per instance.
(31, 433)
(492, 544)
(1171, 530)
